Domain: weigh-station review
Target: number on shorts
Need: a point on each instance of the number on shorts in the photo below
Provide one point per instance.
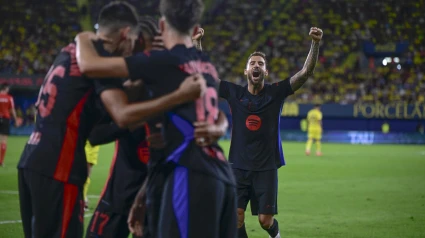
(104, 220)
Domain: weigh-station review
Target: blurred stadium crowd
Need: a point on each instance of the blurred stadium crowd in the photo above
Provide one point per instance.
(235, 28)
(32, 33)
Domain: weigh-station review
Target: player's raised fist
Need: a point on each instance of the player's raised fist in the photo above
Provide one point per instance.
(192, 87)
(316, 34)
(199, 34)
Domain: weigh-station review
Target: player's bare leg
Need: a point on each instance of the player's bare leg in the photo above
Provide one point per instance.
(241, 224)
(269, 224)
(3, 146)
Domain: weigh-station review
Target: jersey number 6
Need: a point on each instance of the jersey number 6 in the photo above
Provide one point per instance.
(49, 91)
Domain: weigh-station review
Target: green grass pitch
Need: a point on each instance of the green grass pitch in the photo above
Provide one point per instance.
(353, 191)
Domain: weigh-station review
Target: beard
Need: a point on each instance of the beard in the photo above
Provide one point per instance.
(256, 76)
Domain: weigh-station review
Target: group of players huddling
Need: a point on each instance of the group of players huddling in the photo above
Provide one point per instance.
(148, 87)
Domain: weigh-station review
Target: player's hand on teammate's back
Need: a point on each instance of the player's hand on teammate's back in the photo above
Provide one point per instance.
(192, 87)
(207, 134)
(316, 34)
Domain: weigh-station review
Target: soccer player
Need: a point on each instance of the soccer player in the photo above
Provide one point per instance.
(128, 169)
(6, 107)
(53, 167)
(127, 173)
(198, 175)
(92, 155)
(151, 191)
(314, 119)
(256, 148)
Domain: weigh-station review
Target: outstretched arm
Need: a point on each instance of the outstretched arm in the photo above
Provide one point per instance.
(301, 77)
(197, 42)
(125, 114)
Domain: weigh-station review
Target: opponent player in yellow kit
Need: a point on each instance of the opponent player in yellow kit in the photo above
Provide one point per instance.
(314, 119)
(92, 154)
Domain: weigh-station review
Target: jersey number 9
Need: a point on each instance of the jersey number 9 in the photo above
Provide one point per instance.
(206, 106)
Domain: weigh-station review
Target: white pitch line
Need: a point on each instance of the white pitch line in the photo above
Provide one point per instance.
(20, 221)
(10, 222)
(11, 192)
(8, 192)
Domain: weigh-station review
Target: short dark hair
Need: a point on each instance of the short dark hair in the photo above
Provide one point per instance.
(316, 105)
(258, 53)
(148, 29)
(3, 86)
(182, 15)
(118, 14)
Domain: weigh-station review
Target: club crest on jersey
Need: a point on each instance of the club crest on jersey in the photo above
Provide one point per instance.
(253, 122)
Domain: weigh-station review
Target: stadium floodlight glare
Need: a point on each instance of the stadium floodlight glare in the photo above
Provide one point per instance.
(384, 62)
(399, 66)
(396, 60)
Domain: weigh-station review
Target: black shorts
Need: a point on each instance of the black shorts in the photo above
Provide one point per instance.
(4, 126)
(259, 188)
(105, 223)
(156, 178)
(110, 216)
(50, 208)
(197, 205)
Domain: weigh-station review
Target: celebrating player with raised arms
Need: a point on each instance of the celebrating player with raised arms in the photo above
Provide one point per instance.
(256, 149)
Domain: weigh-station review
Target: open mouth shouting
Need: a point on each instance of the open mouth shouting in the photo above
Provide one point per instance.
(257, 74)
